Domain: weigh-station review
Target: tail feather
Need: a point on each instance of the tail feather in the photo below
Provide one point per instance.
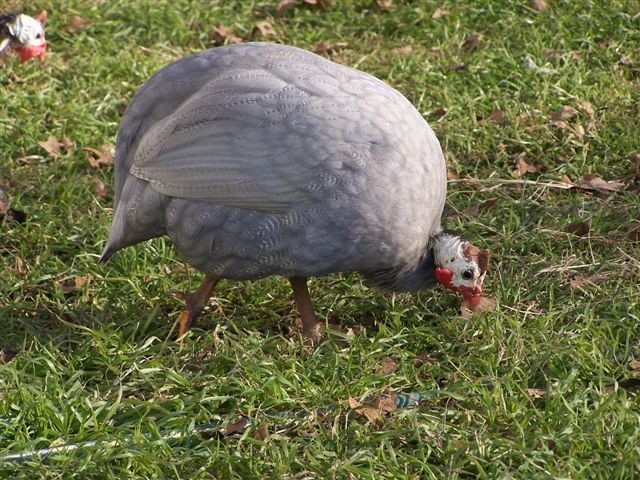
(138, 216)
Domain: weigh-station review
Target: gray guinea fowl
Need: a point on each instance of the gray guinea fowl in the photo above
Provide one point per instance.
(263, 159)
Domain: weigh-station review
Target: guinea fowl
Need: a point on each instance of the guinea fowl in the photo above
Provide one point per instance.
(25, 34)
(262, 159)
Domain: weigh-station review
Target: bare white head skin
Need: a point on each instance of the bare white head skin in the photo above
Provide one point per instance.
(460, 266)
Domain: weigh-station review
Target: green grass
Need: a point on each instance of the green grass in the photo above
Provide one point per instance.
(540, 388)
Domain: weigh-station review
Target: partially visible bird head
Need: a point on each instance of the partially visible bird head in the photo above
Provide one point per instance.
(460, 266)
(26, 34)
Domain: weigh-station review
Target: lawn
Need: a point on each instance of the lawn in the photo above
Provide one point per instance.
(538, 113)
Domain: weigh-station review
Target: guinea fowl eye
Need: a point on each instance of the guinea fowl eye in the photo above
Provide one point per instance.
(468, 274)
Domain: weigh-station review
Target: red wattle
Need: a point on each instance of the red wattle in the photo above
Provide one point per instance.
(444, 276)
(31, 51)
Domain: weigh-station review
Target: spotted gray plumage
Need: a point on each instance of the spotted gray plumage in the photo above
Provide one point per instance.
(263, 159)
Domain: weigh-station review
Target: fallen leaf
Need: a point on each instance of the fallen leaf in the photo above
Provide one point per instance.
(387, 403)
(587, 108)
(20, 266)
(579, 281)
(593, 182)
(403, 50)
(98, 187)
(539, 5)
(524, 165)
(237, 427)
(452, 176)
(633, 232)
(221, 33)
(263, 29)
(383, 4)
(475, 209)
(634, 364)
(388, 366)
(470, 43)
(497, 116)
(104, 156)
(579, 229)
(322, 4)
(457, 67)
(52, 146)
(76, 24)
(427, 358)
(285, 5)
(260, 433)
(11, 214)
(635, 159)
(439, 13)
(537, 392)
(566, 113)
(438, 112)
(69, 286)
(7, 353)
(486, 304)
(370, 413)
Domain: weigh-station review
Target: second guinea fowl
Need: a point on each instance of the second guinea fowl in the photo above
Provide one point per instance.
(263, 159)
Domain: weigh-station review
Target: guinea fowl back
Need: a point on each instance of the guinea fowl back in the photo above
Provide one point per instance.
(261, 159)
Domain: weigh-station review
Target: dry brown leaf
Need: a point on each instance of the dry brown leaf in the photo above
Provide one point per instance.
(634, 364)
(383, 4)
(525, 165)
(220, 34)
(439, 13)
(487, 304)
(387, 403)
(260, 433)
(72, 285)
(535, 393)
(370, 413)
(77, 23)
(322, 4)
(438, 112)
(474, 210)
(404, 50)
(593, 182)
(285, 5)
(566, 113)
(633, 232)
(470, 43)
(98, 187)
(427, 358)
(539, 5)
(635, 159)
(587, 108)
(104, 156)
(579, 229)
(7, 353)
(237, 427)
(263, 29)
(388, 366)
(452, 176)
(579, 281)
(457, 67)
(53, 146)
(20, 266)
(497, 116)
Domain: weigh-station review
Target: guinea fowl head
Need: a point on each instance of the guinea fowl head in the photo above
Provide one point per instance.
(459, 266)
(26, 34)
